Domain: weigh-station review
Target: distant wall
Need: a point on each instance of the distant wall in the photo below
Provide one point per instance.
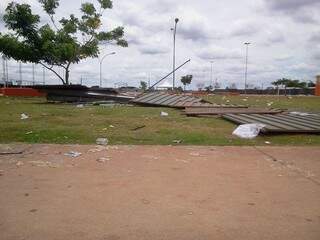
(21, 92)
(317, 92)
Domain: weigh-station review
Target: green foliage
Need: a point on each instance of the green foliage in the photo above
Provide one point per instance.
(143, 85)
(56, 44)
(186, 80)
(291, 83)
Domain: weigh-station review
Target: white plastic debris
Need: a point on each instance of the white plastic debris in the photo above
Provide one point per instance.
(267, 142)
(24, 116)
(103, 159)
(30, 132)
(164, 114)
(73, 154)
(19, 164)
(80, 106)
(111, 126)
(269, 104)
(248, 131)
(102, 141)
(177, 141)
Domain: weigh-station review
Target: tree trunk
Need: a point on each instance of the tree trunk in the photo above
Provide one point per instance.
(67, 75)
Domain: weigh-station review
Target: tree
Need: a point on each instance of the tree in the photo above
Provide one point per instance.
(186, 80)
(143, 85)
(56, 44)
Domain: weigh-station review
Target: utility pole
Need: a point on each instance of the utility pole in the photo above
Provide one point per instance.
(246, 71)
(100, 61)
(174, 52)
(211, 75)
(7, 71)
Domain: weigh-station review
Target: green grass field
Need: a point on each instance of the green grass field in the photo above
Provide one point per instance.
(64, 123)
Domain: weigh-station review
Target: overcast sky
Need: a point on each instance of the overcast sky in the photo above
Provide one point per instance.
(284, 37)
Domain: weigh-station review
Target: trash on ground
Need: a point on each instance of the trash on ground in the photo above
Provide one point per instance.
(19, 163)
(269, 103)
(103, 159)
(27, 133)
(248, 131)
(80, 106)
(111, 126)
(195, 154)
(102, 141)
(73, 154)
(177, 141)
(24, 116)
(267, 142)
(164, 114)
(98, 149)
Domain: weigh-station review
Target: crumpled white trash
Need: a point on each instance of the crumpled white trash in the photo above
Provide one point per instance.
(164, 114)
(24, 116)
(248, 131)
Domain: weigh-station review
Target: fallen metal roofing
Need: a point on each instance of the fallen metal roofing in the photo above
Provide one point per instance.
(173, 100)
(288, 123)
(195, 111)
(169, 100)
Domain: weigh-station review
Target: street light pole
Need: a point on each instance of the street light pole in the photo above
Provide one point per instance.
(174, 52)
(246, 71)
(100, 61)
(211, 75)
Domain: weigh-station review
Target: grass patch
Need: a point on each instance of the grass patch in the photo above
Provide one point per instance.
(64, 123)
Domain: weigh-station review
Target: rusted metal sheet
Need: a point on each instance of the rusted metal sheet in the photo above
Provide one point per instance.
(169, 100)
(227, 110)
(287, 123)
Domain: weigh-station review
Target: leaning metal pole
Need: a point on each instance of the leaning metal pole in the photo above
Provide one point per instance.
(168, 75)
(246, 71)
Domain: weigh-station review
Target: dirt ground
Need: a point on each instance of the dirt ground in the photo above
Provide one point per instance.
(159, 192)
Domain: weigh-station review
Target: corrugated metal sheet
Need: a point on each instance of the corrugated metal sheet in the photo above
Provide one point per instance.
(280, 123)
(227, 110)
(169, 100)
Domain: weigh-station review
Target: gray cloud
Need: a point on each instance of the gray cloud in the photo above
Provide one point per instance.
(302, 11)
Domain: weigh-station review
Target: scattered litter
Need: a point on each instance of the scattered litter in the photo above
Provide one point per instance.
(195, 154)
(269, 104)
(177, 141)
(80, 106)
(73, 154)
(267, 142)
(104, 129)
(248, 131)
(97, 149)
(179, 160)
(24, 116)
(103, 159)
(164, 114)
(102, 141)
(27, 133)
(244, 99)
(19, 163)
(137, 128)
(111, 126)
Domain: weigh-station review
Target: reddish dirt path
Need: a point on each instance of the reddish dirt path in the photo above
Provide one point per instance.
(160, 192)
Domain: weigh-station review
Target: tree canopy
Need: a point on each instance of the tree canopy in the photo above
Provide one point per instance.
(292, 83)
(56, 43)
(186, 80)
